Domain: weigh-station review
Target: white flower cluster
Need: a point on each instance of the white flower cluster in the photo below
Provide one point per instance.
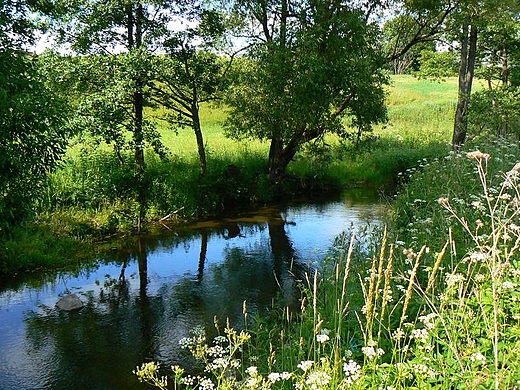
(352, 372)
(316, 380)
(305, 365)
(279, 376)
(420, 335)
(206, 384)
(424, 370)
(370, 352)
(428, 320)
(454, 279)
(478, 358)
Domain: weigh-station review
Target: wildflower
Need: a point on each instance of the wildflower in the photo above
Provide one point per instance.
(322, 338)
(515, 272)
(252, 371)
(352, 372)
(206, 384)
(398, 334)
(371, 352)
(443, 201)
(423, 369)
(304, 365)
(220, 339)
(452, 279)
(189, 380)
(285, 375)
(317, 379)
(420, 335)
(325, 331)
(476, 204)
(478, 155)
(508, 285)
(479, 278)
(185, 342)
(274, 377)
(478, 358)
(428, 320)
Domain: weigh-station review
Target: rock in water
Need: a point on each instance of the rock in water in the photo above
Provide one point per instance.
(69, 302)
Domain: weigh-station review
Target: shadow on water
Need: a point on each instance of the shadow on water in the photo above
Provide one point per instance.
(139, 302)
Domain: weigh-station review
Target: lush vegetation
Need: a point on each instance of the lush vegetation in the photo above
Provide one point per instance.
(433, 302)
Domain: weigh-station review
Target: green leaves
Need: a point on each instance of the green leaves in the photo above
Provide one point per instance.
(32, 138)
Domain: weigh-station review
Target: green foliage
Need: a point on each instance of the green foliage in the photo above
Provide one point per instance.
(495, 112)
(398, 33)
(32, 139)
(306, 78)
(438, 65)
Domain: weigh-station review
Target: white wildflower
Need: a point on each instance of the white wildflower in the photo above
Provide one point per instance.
(371, 352)
(428, 320)
(420, 335)
(317, 380)
(206, 384)
(424, 370)
(322, 338)
(453, 279)
(478, 256)
(305, 365)
(398, 334)
(478, 358)
(352, 372)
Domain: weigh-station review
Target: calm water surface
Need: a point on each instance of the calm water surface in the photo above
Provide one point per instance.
(141, 301)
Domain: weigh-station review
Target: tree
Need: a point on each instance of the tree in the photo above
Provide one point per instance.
(32, 139)
(192, 73)
(315, 65)
(468, 53)
(496, 110)
(470, 22)
(119, 38)
(398, 33)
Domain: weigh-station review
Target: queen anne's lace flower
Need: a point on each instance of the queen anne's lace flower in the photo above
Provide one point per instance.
(305, 365)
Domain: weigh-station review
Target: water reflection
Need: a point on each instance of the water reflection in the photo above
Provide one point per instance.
(141, 301)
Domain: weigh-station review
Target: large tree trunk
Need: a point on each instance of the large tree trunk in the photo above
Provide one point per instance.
(466, 72)
(279, 159)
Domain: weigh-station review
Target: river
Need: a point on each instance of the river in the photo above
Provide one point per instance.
(139, 301)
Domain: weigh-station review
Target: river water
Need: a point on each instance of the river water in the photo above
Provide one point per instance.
(141, 300)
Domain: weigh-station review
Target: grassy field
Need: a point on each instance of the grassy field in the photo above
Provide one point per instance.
(420, 110)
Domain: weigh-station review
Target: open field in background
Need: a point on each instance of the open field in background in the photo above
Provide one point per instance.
(420, 126)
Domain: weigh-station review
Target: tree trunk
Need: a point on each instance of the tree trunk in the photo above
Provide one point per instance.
(280, 159)
(198, 134)
(505, 81)
(466, 72)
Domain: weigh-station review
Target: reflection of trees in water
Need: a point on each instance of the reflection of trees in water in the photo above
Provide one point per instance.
(98, 346)
(121, 326)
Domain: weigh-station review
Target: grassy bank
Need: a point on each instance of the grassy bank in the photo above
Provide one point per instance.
(428, 305)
